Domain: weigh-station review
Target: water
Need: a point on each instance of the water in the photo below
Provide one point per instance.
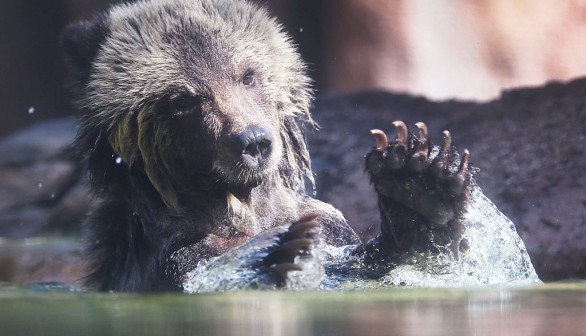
(557, 309)
(495, 254)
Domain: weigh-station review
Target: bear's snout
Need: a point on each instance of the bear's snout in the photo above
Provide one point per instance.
(253, 146)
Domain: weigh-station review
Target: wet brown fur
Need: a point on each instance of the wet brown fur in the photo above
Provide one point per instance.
(160, 90)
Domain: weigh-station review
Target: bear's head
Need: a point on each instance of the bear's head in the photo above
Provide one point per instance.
(204, 95)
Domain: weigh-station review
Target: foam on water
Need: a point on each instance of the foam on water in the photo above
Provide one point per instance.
(241, 268)
(230, 271)
(495, 255)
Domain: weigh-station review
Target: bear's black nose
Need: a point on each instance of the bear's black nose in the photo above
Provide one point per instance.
(253, 145)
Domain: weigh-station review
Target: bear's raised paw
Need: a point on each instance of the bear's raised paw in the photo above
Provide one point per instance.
(417, 181)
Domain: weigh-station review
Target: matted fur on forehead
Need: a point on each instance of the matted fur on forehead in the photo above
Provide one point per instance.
(142, 56)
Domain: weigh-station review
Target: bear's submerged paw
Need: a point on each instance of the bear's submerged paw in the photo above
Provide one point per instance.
(294, 250)
(285, 257)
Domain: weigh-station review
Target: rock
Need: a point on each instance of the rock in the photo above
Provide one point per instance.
(40, 182)
(42, 141)
(529, 146)
(40, 260)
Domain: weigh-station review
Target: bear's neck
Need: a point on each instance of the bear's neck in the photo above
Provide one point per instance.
(248, 211)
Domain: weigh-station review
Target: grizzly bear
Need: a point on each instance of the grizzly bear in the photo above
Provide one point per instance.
(191, 125)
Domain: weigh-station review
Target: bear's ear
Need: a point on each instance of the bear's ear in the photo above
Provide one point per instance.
(81, 42)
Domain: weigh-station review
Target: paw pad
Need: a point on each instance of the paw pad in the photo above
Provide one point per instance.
(414, 172)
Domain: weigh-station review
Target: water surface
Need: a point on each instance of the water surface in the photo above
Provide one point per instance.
(538, 310)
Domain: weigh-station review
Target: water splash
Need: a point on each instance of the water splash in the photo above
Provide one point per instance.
(495, 254)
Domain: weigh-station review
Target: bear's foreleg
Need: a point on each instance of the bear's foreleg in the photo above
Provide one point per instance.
(422, 190)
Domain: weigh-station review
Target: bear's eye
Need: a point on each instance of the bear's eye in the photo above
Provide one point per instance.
(184, 103)
(248, 78)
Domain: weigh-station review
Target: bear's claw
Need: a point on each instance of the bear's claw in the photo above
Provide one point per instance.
(402, 134)
(381, 139)
(297, 241)
(429, 179)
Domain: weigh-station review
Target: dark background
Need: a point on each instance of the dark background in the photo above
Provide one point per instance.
(439, 49)
(32, 71)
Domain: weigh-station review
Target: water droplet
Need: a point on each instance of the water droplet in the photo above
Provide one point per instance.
(40, 186)
(301, 30)
(118, 160)
(31, 110)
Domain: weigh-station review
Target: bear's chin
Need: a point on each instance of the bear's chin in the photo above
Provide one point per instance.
(242, 187)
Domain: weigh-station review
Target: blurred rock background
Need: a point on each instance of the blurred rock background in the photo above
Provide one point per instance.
(441, 50)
